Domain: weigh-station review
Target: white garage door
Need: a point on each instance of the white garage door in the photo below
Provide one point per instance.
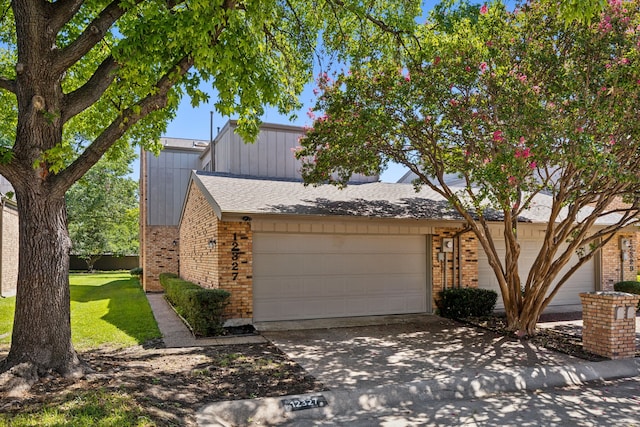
(307, 276)
(582, 280)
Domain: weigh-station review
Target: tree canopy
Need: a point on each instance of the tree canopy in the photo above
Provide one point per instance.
(519, 104)
(103, 211)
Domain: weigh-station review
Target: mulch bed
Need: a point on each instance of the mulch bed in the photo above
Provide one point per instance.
(172, 384)
(563, 338)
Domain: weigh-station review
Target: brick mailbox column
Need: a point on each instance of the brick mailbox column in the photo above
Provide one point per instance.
(609, 323)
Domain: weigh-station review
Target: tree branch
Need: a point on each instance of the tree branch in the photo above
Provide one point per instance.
(8, 84)
(83, 97)
(61, 12)
(95, 31)
(155, 101)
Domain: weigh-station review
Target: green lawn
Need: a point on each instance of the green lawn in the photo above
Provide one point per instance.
(106, 309)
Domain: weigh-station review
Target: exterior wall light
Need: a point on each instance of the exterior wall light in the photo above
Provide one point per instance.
(211, 244)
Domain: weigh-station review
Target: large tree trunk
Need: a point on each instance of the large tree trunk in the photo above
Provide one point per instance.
(42, 336)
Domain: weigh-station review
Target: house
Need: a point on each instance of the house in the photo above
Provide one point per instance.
(163, 184)
(288, 252)
(8, 240)
(164, 179)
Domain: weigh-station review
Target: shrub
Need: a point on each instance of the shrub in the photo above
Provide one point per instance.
(458, 303)
(630, 287)
(136, 271)
(201, 308)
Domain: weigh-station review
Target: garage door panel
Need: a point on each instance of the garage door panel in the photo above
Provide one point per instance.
(335, 276)
(582, 280)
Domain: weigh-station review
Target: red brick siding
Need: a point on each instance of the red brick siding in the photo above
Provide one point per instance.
(215, 267)
(232, 236)
(603, 333)
(614, 269)
(198, 262)
(161, 255)
(468, 261)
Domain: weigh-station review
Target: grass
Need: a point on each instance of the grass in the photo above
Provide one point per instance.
(85, 408)
(107, 309)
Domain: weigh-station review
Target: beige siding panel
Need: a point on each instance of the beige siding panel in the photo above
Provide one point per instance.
(582, 280)
(307, 276)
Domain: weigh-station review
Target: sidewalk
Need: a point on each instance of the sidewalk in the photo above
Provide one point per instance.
(176, 334)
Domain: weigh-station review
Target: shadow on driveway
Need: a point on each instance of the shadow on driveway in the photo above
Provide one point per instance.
(428, 348)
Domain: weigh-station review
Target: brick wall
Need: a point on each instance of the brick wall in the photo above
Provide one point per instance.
(228, 264)
(235, 268)
(614, 268)
(198, 262)
(9, 250)
(609, 324)
(159, 254)
(468, 261)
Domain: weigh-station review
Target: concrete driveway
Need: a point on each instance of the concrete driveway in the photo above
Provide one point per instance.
(419, 348)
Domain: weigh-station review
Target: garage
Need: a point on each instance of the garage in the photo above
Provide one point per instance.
(582, 280)
(311, 276)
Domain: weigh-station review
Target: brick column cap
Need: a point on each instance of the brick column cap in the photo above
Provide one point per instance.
(608, 294)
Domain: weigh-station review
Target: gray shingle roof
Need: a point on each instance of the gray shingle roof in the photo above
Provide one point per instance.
(245, 195)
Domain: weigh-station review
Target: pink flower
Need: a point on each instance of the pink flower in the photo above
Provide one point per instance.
(436, 60)
(579, 129)
(483, 66)
(454, 102)
(467, 68)
(512, 180)
(311, 114)
(407, 78)
(524, 153)
(316, 91)
(536, 89)
(484, 9)
(497, 136)
(522, 140)
(532, 165)
(522, 78)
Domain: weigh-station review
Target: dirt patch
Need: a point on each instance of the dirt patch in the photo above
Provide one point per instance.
(172, 384)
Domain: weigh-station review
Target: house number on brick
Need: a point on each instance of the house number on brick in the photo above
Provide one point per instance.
(235, 255)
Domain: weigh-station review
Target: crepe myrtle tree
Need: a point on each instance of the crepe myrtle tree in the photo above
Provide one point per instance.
(524, 106)
(81, 79)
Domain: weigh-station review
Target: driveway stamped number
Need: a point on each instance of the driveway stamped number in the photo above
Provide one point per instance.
(298, 404)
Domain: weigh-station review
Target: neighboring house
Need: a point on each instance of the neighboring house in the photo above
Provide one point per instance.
(287, 252)
(163, 183)
(8, 240)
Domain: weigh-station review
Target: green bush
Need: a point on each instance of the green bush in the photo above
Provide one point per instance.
(136, 271)
(201, 308)
(630, 287)
(458, 303)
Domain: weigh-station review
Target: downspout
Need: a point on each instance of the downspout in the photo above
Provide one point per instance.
(459, 254)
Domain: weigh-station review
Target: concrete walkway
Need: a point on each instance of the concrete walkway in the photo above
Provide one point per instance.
(176, 334)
